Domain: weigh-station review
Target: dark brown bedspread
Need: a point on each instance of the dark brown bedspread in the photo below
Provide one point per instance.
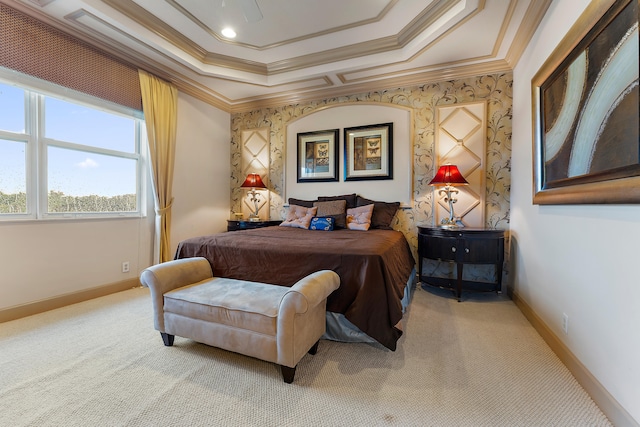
(374, 267)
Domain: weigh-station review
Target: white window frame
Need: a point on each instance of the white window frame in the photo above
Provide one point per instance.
(37, 147)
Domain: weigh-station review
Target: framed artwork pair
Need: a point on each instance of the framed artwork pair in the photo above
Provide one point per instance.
(368, 154)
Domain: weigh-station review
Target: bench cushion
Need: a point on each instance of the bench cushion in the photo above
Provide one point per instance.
(237, 303)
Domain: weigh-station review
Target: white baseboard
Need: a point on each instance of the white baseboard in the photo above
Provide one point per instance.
(607, 403)
(41, 306)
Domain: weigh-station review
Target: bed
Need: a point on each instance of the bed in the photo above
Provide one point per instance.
(374, 266)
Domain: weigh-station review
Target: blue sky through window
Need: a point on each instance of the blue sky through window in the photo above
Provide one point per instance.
(77, 173)
(12, 108)
(81, 125)
(74, 172)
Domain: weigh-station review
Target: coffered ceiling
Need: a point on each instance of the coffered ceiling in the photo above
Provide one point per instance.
(293, 50)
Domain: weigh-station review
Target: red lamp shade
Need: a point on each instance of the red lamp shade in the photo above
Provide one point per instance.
(253, 181)
(448, 175)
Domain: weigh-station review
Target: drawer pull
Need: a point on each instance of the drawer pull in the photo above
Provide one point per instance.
(453, 249)
(466, 250)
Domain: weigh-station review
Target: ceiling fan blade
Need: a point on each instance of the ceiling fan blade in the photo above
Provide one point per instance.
(251, 10)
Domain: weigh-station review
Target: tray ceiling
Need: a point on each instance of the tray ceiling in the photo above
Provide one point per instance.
(293, 50)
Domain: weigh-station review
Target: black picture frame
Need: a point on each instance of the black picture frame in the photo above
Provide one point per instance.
(317, 156)
(368, 152)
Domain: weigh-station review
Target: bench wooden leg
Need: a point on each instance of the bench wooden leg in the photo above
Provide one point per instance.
(288, 373)
(314, 348)
(167, 339)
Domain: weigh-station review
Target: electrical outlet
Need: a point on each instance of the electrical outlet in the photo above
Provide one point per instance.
(125, 267)
(565, 323)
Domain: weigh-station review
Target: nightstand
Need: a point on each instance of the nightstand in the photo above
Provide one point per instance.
(461, 246)
(248, 225)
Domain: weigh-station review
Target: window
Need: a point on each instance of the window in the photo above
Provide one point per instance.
(13, 177)
(13, 151)
(67, 156)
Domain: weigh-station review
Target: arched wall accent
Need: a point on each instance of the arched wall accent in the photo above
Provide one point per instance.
(346, 115)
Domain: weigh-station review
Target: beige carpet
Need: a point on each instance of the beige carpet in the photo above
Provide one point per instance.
(101, 363)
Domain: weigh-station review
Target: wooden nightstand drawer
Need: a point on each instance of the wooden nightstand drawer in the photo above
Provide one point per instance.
(481, 251)
(440, 248)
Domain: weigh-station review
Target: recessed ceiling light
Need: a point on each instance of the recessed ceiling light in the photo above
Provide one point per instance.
(228, 33)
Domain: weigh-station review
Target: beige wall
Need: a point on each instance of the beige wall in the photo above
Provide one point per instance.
(40, 260)
(45, 259)
(201, 176)
(580, 260)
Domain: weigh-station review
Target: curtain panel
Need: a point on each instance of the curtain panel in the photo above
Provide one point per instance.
(160, 106)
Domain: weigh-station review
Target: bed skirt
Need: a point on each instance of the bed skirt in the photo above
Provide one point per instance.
(340, 329)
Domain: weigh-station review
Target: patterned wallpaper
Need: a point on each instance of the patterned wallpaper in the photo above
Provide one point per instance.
(496, 89)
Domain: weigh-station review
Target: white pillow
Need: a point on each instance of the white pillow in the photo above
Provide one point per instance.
(359, 218)
(299, 216)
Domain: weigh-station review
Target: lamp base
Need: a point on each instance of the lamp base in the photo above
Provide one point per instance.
(451, 223)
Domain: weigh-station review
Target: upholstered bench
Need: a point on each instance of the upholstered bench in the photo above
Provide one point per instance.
(269, 322)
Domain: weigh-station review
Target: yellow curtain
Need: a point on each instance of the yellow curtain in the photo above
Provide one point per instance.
(160, 106)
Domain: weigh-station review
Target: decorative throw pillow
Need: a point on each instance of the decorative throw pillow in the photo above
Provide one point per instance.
(383, 212)
(299, 217)
(335, 209)
(299, 202)
(324, 223)
(349, 198)
(359, 218)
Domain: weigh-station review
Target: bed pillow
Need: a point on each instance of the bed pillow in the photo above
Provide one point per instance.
(299, 217)
(336, 209)
(349, 198)
(324, 223)
(383, 212)
(359, 218)
(299, 202)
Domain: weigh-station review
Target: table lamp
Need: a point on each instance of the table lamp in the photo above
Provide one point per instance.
(449, 176)
(254, 182)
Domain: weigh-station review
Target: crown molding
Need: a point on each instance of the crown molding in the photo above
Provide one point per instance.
(429, 16)
(417, 76)
(535, 12)
(218, 37)
(381, 45)
(503, 28)
(443, 74)
(373, 47)
(150, 22)
(42, 3)
(171, 73)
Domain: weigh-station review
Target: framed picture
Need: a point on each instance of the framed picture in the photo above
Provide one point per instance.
(318, 156)
(586, 110)
(368, 152)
